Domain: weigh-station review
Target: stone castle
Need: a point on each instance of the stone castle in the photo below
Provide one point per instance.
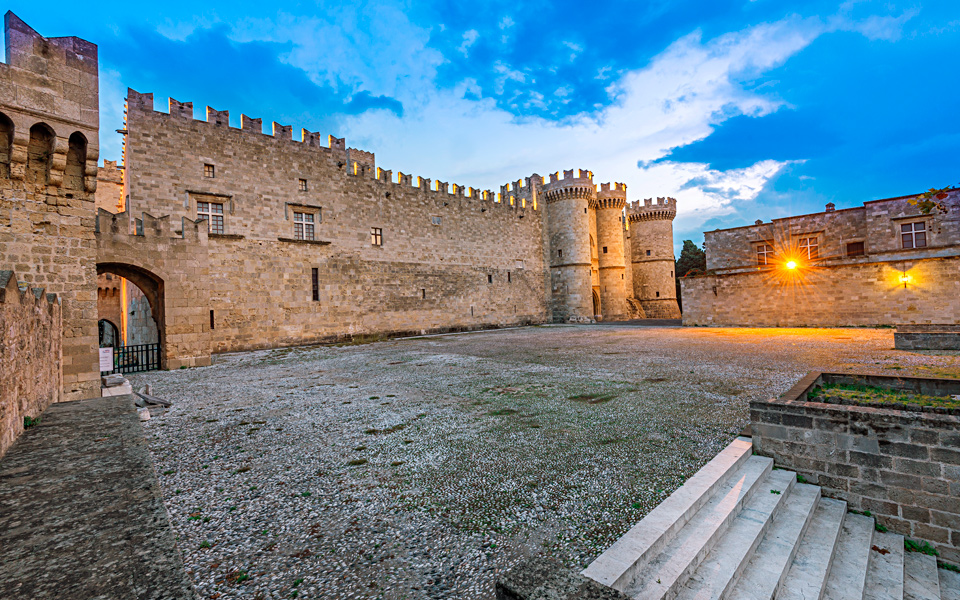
(235, 239)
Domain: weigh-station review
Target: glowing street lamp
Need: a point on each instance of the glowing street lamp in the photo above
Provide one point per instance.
(791, 265)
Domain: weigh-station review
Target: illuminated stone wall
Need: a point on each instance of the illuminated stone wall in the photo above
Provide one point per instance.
(853, 294)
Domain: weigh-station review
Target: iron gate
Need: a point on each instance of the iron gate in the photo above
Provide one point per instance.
(134, 359)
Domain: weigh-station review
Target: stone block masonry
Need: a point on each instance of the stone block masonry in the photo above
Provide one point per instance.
(903, 466)
(30, 348)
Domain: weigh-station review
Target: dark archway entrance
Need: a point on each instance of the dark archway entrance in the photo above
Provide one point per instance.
(596, 305)
(109, 334)
(132, 298)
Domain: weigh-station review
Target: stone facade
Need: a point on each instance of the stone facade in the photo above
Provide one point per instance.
(49, 111)
(881, 264)
(902, 465)
(652, 258)
(109, 195)
(30, 354)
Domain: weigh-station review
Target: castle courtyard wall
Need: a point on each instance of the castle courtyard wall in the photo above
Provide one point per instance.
(449, 258)
(30, 355)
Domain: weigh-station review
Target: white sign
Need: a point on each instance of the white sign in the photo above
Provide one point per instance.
(106, 359)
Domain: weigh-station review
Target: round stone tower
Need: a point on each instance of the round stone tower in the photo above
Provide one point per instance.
(613, 285)
(568, 224)
(651, 246)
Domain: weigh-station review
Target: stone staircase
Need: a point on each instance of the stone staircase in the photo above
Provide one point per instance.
(741, 530)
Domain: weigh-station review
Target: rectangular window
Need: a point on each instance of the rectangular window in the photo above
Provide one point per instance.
(213, 213)
(302, 185)
(315, 276)
(809, 248)
(648, 253)
(208, 171)
(764, 254)
(914, 235)
(212, 324)
(509, 278)
(303, 226)
(559, 253)
(855, 249)
(423, 294)
(436, 220)
(604, 249)
(489, 278)
(376, 236)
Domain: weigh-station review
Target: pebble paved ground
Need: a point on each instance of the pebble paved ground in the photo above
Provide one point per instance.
(420, 468)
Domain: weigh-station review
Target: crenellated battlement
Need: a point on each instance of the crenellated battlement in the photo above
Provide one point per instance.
(144, 102)
(149, 226)
(573, 185)
(608, 197)
(664, 209)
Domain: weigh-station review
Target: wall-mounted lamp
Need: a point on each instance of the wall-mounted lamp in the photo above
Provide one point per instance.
(791, 265)
(905, 279)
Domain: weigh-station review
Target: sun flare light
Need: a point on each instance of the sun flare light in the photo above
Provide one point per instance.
(791, 265)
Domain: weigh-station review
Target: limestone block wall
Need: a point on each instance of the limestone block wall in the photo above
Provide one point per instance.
(903, 466)
(49, 111)
(444, 256)
(571, 261)
(853, 294)
(172, 269)
(109, 194)
(30, 355)
(651, 232)
(610, 251)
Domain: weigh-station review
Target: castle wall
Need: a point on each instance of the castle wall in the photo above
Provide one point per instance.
(450, 258)
(611, 257)
(49, 102)
(109, 195)
(30, 355)
(854, 294)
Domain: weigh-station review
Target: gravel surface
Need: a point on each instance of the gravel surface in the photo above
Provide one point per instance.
(422, 467)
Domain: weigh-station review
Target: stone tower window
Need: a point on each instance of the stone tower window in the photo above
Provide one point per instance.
(559, 253)
(76, 160)
(509, 278)
(855, 249)
(658, 294)
(208, 171)
(39, 153)
(913, 235)
(6, 143)
(376, 236)
(436, 220)
(303, 226)
(315, 279)
(302, 185)
(489, 278)
(604, 249)
(648, 253)
(213, 213)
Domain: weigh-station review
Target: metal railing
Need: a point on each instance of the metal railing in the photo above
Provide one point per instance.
(135, 359)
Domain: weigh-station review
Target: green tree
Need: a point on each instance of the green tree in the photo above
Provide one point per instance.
(691, 257)
(932, 199)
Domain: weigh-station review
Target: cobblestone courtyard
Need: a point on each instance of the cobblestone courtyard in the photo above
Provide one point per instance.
(420, 468)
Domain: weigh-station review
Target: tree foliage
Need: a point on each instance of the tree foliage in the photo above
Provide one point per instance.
(932, 199)
(691, 257)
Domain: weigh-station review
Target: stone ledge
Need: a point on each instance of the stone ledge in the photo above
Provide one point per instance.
(313, 242)
(541, 578)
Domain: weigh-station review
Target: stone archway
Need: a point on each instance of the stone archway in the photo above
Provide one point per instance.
(596, 305)
(152, 287)
(109, 333)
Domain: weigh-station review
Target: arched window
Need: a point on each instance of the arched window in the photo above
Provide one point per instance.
(39, 154)
(76, 158)
(6, 144)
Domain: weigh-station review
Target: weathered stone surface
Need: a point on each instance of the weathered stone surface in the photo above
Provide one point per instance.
(30, 347)
(540, 578)
(80, 510)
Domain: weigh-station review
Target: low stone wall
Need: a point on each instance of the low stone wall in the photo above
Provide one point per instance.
(927, 337)
(847, 295)
(30, 355)
(901, 465)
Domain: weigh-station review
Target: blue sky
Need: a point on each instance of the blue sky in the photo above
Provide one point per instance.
(740, 109)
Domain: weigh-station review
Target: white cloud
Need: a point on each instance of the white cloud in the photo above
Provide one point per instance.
(506, 23)
(469, 38)
(675, 100)
(505, 73)
(575, 48)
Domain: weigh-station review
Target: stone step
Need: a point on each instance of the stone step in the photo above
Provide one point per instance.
(620, 563)
(815, 553)
(773, 558)
(920, 578)
(663, 574)
(713, 579)
(885, 570)
(949, 584)
(848, 575)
